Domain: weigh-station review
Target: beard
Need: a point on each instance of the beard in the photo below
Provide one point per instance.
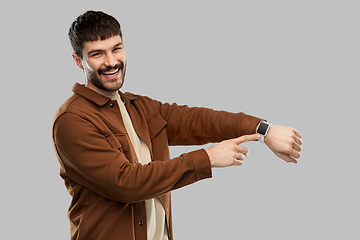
(108, 85)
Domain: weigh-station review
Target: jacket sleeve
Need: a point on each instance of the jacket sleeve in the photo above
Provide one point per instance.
(90, 160)
(194, 126)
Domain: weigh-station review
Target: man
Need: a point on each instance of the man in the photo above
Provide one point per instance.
(113, 147)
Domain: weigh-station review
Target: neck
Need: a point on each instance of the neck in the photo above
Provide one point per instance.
(100, 91)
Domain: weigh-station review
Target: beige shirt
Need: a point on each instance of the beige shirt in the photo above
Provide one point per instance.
(155, 213)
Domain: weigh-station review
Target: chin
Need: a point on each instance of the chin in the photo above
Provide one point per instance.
(113, 86)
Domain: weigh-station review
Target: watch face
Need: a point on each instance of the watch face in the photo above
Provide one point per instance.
(262, 128)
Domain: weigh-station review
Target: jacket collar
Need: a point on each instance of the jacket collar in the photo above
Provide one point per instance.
(97, 98)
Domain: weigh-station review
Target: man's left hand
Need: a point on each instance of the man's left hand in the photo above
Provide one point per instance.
(285, 142)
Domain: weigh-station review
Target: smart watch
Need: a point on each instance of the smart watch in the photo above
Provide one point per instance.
(263, 130)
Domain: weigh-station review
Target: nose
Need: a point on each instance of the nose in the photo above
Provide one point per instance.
(110, 60)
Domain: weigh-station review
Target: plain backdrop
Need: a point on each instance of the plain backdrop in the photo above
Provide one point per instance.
(295, 63)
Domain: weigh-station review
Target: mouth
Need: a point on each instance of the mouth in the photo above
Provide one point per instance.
(111, 75)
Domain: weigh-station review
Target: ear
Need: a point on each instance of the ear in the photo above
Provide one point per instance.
(77, 60)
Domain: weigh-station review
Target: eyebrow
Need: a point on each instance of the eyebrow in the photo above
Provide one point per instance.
(101, 50)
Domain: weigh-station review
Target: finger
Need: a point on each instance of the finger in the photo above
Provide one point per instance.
(286, 157)
(297, 134)
(247, 138)
(296, 147)
(298, 140)
(241, 149)
(240, 156)
(238, 163)
(294, 153)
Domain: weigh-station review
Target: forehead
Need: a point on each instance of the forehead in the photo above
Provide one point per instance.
(104, 45)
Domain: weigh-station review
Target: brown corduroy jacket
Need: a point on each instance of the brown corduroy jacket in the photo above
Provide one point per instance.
(99, 166)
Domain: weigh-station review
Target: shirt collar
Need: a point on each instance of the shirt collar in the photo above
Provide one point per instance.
(97, 98)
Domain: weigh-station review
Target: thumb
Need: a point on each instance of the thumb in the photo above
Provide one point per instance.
(247, 138)
(286, 157)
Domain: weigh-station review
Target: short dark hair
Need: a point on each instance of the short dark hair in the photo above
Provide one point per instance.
(92, 26)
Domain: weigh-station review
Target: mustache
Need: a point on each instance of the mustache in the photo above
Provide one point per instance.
(119, 65)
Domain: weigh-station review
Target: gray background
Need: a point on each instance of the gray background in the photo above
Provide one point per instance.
(295, 63)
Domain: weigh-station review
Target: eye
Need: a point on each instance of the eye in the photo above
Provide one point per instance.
(117, 49)
(95, 55)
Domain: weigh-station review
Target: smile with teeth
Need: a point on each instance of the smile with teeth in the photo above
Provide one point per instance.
(111, 73)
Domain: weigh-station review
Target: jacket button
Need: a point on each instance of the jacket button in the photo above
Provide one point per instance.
(111, 105)
(135, 161)
(141, 223)
(125, 132)
(125, 102)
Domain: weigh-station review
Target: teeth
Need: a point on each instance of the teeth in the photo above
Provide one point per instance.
(110, 73)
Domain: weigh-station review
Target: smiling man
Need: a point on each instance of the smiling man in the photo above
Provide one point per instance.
(103, 61)
(113, 147)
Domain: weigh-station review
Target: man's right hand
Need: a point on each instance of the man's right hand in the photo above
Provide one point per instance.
(229, 153)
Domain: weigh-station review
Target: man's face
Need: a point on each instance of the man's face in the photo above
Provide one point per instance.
(104, 63)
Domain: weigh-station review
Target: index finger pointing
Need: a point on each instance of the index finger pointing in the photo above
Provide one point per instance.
(247, 138)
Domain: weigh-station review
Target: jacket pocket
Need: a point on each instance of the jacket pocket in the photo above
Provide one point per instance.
(118, 141)
(156, 124)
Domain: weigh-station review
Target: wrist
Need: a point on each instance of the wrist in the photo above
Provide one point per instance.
(257, 127)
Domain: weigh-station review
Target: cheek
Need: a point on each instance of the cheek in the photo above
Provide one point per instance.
(121, 56)
(91, 67)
